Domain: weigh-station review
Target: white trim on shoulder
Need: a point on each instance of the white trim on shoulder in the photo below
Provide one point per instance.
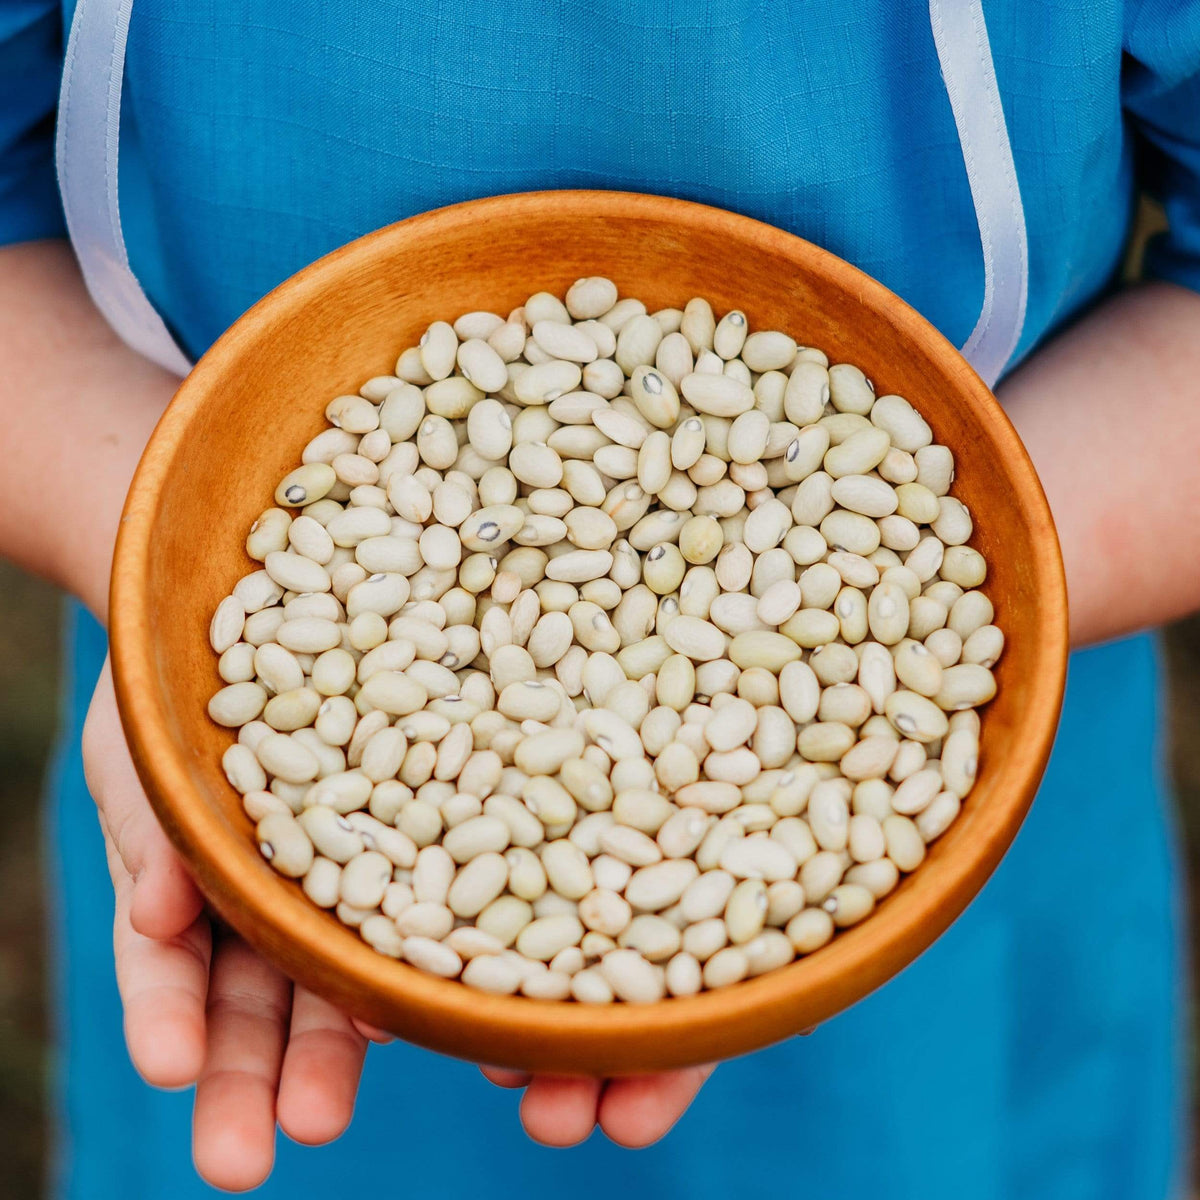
(88, 143)
(86, 153)
(965, 55)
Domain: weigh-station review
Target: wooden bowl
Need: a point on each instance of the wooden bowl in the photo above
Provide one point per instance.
(238, 424)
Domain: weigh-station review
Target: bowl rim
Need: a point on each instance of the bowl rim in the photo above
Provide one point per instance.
(294, 933)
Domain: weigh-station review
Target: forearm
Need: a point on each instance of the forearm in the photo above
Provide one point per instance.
(76, 408)
(1110, 414)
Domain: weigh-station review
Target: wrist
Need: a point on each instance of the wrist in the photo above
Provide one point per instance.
(76, 408)
(83, 550)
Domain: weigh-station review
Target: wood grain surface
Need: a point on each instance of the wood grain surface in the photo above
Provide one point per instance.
(238, 424)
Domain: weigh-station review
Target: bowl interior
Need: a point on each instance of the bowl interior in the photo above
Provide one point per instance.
(238, 425)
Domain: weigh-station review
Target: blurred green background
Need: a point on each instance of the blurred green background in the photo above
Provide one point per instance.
(29, 616)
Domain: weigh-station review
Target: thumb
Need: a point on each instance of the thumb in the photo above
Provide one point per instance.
(165, 901)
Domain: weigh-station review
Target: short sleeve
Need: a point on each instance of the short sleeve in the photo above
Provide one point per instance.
(1161, 95)
(30, 73)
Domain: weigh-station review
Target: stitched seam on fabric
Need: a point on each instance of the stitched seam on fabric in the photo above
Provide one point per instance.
(968, 153)
(112, 128)
(64, 106)
(999, 128)
(979, 333)
(101, 29)
(982, 346)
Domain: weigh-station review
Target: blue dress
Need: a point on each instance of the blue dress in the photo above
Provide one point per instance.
(1035, 1050)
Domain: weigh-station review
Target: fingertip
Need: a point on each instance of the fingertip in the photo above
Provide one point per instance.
(165, 900)
(309, 1123)
(233, 1175)
(373, 1033)
(235, 1156)
(559, 1112)
(167, 1051)
(506, 1077)
(637, 1112)
(630, 1133)
(317, 1090)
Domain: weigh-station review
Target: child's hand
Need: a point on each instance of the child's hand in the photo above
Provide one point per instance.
(201, 1006)
(633, 1112)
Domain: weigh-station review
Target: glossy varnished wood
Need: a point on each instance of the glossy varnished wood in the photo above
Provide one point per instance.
(238, 424)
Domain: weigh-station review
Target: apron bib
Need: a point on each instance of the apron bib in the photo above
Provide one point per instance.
(88, 144)
(1033, 1052)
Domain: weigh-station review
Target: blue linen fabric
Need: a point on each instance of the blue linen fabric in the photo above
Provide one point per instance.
(1035, 1050)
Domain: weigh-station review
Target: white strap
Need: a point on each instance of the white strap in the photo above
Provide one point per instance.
(965, 55)
(87, 154)
(89, 123)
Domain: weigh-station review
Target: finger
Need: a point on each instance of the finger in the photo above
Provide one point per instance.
(505, 1077)
(163, 986)
(165, 900)
(164, 896)
(637, 1111)
(558, 1111)
(321, 1069)
(233, 1125)
(373, 1033)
